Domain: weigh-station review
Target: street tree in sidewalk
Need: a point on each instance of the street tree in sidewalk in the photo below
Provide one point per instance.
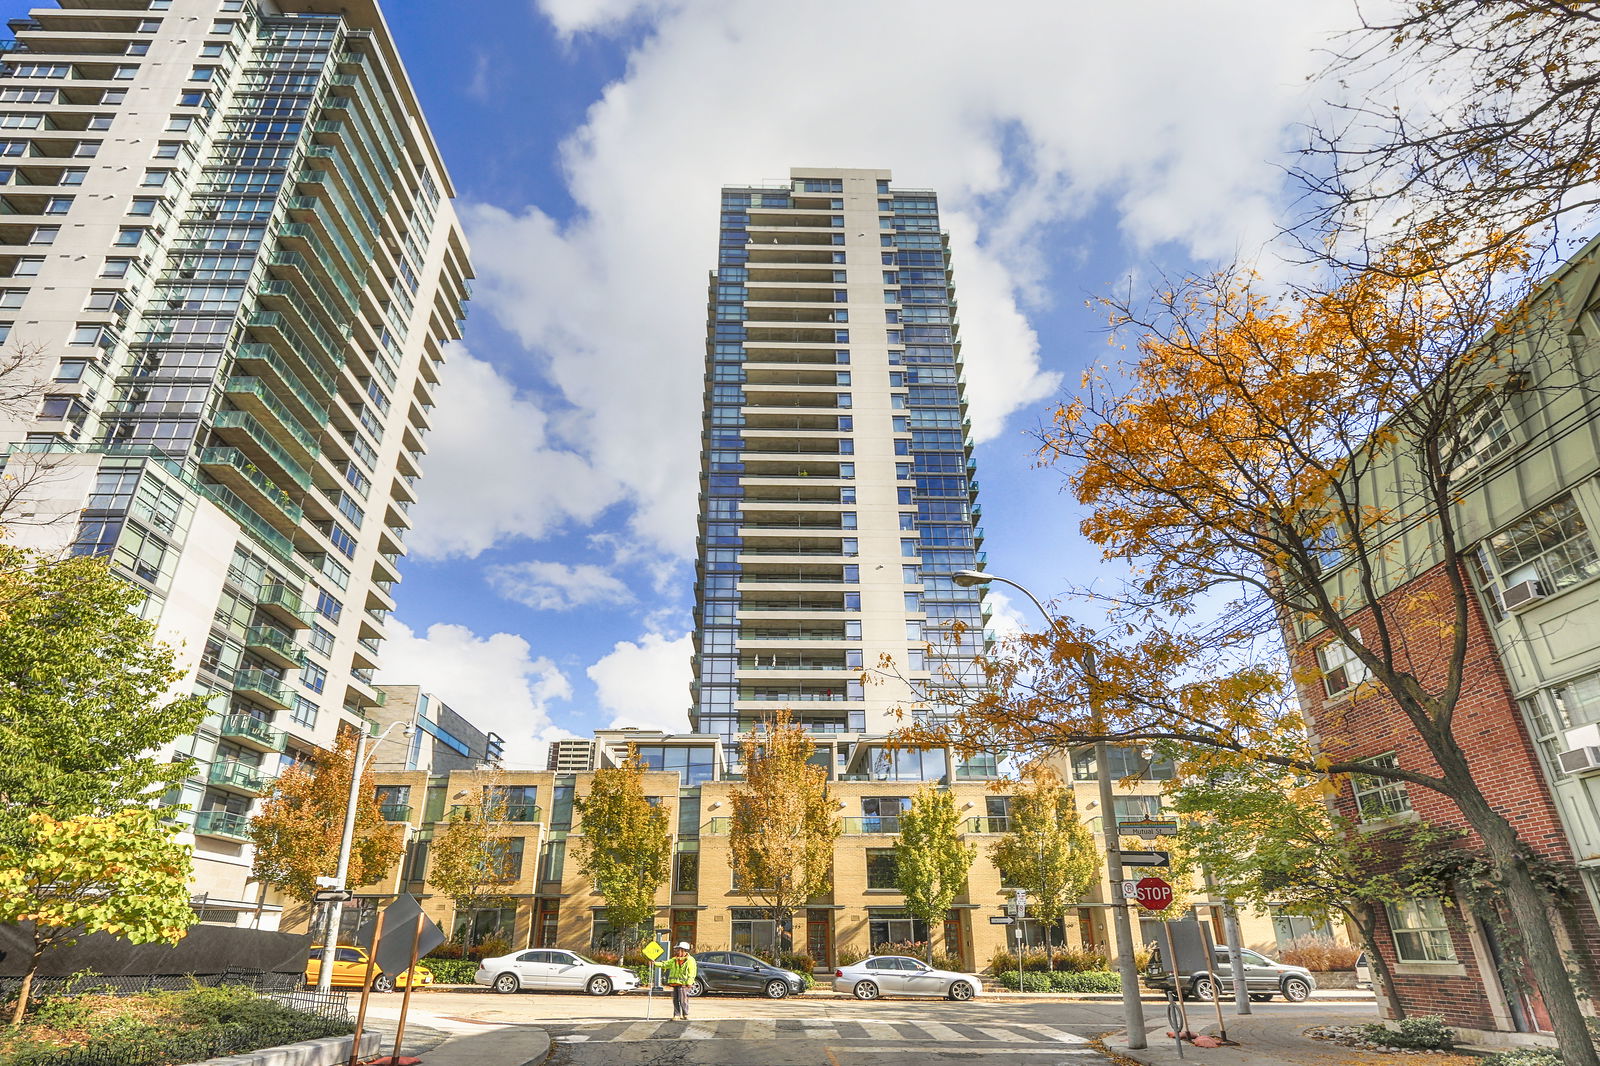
(1047, 849)
(1279, 449)
(297, 832)
(123, 873)
(84, 693)
(932, 860)
(468, 861)
(784, 823)
(1267, 836)
(626, 847)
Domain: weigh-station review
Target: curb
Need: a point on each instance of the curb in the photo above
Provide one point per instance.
(327, 1051)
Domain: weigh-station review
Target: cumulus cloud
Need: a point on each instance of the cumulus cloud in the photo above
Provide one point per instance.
(497, 468)
(556, 586)
(1025, 117)
(646, 684)
(494, 682)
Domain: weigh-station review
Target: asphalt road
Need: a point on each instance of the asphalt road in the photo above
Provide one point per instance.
(816, 1029)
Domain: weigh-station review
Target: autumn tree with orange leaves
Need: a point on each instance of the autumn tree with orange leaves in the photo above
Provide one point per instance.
(1271, 462)
(297, 833)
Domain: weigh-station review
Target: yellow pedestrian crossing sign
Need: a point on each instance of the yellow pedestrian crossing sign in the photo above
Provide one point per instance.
(653, 951)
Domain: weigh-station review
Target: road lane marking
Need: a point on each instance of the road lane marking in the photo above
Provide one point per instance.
(1053, 1034)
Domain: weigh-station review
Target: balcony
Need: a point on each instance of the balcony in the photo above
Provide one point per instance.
(231, 467)
(275, 646)
(224, 824)
(870, 825)
(987, 824)
(511, 812)
(395, 812)
(240, 777)
(284, 604)
(252, 732)
(262, 687)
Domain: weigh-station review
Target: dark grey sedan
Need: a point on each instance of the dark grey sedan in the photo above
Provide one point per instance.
(734, 971)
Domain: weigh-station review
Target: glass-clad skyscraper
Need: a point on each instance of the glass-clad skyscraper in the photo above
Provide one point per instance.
(837, 474)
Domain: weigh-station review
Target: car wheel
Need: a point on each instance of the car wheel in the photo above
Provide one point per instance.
(961, 991)
(383, 983)
(1295, 990)
(866, 990)
(599, 985)
(1261, 997)
(777, 988)
(698, 988)
(507, 982)
(1203, 988)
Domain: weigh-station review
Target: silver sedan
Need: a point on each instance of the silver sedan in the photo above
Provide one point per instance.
(900, 975)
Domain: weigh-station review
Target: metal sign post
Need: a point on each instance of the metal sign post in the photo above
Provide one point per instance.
(1182, 1032)
(652, 951)
(366, 989)
(1234, 971)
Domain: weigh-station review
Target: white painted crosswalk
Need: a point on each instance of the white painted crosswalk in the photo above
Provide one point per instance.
(830, 1030)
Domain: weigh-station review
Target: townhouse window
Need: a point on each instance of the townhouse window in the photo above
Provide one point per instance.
(1341, 670)
(1485, 433)
(1378, 798)
(506, 858)
(1420, 931)
(1550, 545)
(883, 869)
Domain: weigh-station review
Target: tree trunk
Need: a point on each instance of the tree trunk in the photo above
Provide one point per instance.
(1049, 945)
(1366, 924)
(27, 983)
(1530, 910)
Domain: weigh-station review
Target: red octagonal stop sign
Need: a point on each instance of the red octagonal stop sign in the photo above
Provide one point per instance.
(1153, 893)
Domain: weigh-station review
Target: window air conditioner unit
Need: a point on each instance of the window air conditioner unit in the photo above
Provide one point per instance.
(1522, 594)
(1579, 760)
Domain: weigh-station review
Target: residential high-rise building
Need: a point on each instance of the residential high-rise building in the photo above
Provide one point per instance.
(836, 468)
(230, 256)
(571, 756)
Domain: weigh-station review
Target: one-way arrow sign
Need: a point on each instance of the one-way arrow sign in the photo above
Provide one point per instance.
(1147, 858)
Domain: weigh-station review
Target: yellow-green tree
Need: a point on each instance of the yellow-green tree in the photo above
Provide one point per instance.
(1047, 849)
(784, 823)
(626, 846)
(123, 873)
(931, 859)
(467, 859)
(297, 832)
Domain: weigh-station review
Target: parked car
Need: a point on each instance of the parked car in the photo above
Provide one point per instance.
(1363, 971)
(734, 971)
(900, 975)
(1263, 978)
(553, 970)
(350, 970)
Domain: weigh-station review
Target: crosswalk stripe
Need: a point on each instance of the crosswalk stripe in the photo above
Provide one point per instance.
(937, 1031)
(639, 1031)
(1008, 1035)
(1053, 1034)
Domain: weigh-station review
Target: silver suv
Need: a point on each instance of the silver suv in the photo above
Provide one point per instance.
(1263, 978)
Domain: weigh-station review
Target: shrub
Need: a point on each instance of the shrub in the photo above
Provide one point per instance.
(1525, 1056)
(606, 958)
(449, 971)
(1428, 1033)
(1002, 961)
(848, 956)
(941, 961)
(1321, 955)
(1074, 981)
(1079, 960)
(798, 961)
(450, 949)
(917, 949)
(634, 960)
(490, 947)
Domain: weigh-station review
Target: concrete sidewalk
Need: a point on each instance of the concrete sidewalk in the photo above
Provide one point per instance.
(1264, 1040)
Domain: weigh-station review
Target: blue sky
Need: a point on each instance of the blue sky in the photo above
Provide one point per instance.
(1075, 146)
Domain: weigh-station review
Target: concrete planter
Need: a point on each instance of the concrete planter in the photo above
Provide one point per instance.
(327, 1051)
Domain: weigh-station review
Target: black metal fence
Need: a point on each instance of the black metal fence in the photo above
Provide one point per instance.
(134, 984)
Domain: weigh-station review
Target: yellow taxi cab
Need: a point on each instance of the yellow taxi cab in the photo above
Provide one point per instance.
(350, 970)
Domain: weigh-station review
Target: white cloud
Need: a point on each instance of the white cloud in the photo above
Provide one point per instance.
(495, 469)
(646, 684)
(556, 586)
(1026, 117)
(494, 682)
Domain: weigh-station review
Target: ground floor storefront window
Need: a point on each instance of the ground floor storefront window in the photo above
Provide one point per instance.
(896, 933)
(753, 930)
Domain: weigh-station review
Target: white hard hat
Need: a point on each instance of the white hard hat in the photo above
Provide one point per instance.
(684, 945)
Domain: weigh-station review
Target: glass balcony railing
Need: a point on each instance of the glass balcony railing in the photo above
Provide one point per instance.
(870, 825)
(282, 597)
(240, 777)
(511, 812)
(251, 731)
(224, 824)
(263, 686)
(987, 824)
(718, 827)
(276, 643)
(241, 466)
(395, 812)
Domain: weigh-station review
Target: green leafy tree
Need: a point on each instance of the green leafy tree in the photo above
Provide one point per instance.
(124, 873)
(931, 859)
(784, 825)
(467, 860)
(626, 847)
(1048, 851)
(84, 693)
(297, 832)
(1267, 836)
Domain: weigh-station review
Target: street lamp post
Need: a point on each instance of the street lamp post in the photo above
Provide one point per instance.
(330, 938)
(1132, 1009)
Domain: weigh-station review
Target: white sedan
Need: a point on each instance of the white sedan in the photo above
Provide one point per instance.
(900, 975)
(551, 970)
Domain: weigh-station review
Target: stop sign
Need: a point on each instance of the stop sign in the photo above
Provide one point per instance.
(1153, 893)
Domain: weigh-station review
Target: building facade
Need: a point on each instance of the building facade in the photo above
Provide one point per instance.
(443, 740)
(230, 259)
(1527, 508)
(548, 903)
(836, 474)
